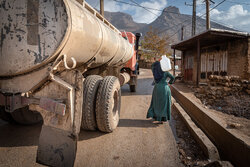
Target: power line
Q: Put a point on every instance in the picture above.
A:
(172, 35)
(132, 4)
(96, 4)
(198, 16)
(148, 9)
(214, 7)
(239, 3)
(144, 7)
(224, 24)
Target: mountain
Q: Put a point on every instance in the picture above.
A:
(123, 21)
(167, 23)
(171, 20)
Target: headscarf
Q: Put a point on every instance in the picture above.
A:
(157, 71)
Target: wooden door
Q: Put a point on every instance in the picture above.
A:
(188, 72)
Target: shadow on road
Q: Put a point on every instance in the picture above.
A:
(19, 135)
(140, 123)
(144, 87)
(85, 135)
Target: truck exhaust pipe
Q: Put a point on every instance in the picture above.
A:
(124, 78)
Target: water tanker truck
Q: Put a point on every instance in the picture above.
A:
(63, 63)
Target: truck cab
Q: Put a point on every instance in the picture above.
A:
(132, 66)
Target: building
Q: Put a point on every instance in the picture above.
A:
(176, 62)
(215, 52)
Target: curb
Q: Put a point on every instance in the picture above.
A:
(230, 146)
(206, 145)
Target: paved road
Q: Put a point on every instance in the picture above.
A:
(136, 142)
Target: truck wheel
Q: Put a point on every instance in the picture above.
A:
(90, 87)
(6, 116)
(108, 104)
(132, 88)
(26, 117)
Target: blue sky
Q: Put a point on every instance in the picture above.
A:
(232, 13)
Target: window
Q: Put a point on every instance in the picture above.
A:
(213, 63)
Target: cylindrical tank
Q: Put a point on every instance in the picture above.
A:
(35, 32)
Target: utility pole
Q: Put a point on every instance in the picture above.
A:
(174, 62)
(194, 18)
(182, 33)
(102, 7)
(207, 16)
(207, 13)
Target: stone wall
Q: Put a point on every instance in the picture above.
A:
(234, 83)
(221, 86)
(228, 94)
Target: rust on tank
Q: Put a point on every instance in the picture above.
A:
(44, 21)
(36, 32)
(7, 28)
(9, 18)
(21, 31)
(32, 22)
(19, 37)
(3, 36)
(55, 9)
(3, 5)
(38, 55)
(21, 15)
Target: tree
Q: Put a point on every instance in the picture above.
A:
(154, 45)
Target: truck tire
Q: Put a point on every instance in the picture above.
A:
(26, 117)
(132, 88)
(6, 116)
(108, 104)
(90, 87)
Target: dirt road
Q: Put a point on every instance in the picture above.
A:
(136, 142)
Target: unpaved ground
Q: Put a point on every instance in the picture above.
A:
(223, 99)
(237, 105)
(136, 142)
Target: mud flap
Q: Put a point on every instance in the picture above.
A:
(61, 123)
(56, 147)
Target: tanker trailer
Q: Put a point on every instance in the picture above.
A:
(59, 62)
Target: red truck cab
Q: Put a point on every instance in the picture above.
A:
(132, 67)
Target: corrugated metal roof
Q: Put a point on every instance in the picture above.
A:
(211, 36)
